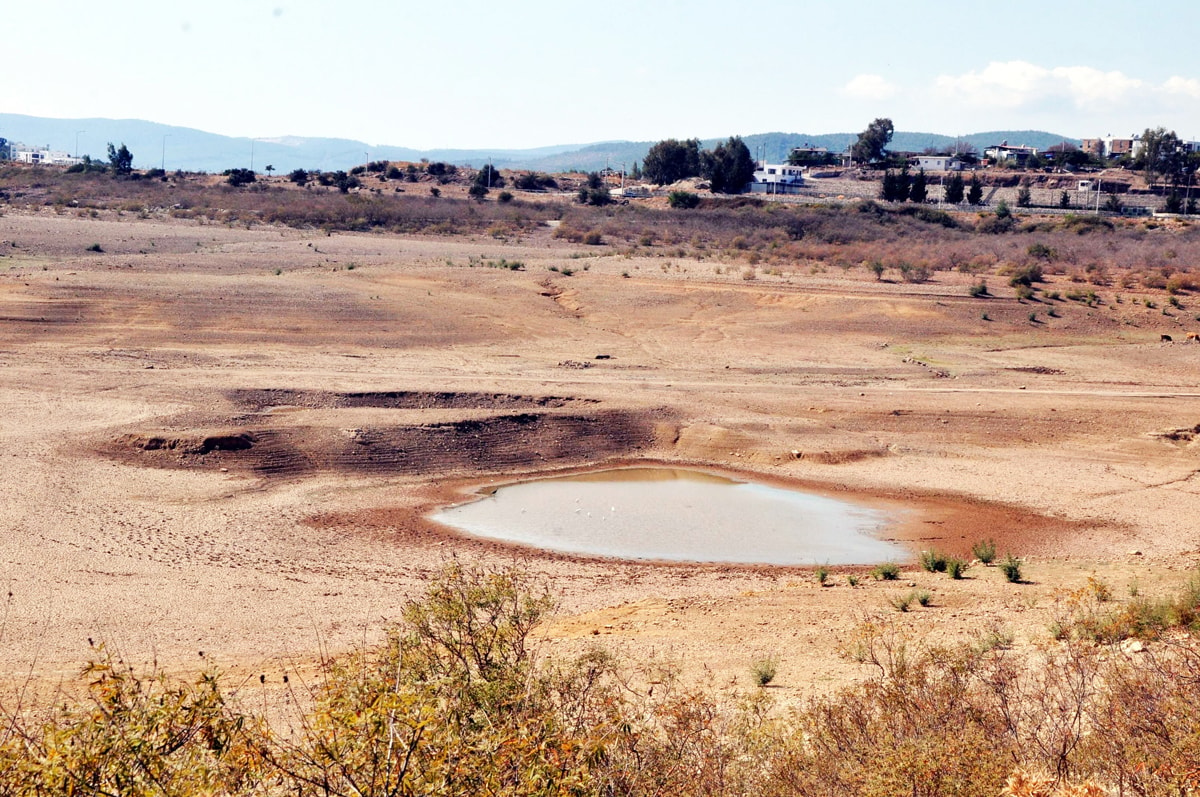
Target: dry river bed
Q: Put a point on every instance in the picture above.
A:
(224, 440)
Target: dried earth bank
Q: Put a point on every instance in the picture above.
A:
(221, 440)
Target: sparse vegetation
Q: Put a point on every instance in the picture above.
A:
(763, 671)
(888, 571)
(456, 695)
(951, 716)
(1010, 566)
(984, 551)
(933, 561)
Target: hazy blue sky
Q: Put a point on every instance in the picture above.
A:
(525, 73)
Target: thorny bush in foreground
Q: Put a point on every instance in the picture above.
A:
(455, 702)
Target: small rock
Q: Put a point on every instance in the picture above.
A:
(1135, 553)
(1133, 646)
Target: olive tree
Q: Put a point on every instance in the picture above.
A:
(871, 146)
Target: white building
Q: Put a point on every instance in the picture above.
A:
(1004, 153)
(45, 156)
(938, 163)
(777, 178)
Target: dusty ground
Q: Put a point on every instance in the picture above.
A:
(223, 439)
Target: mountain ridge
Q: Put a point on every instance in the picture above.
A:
(174, 147)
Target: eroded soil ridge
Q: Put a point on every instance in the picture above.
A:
(270, 448)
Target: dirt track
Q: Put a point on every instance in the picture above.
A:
(218, 438)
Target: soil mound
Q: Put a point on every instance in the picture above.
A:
(486, 444)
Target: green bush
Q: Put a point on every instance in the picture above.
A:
(888, 571)
(955, 568)
(984, 551)
(684, 200)
(534, 181)
(933, 561)
(1011, 568)
(594, 196)
(1040, 251)
(1025, 275)
(240, 177)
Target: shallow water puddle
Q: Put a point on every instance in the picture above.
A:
(677, 515)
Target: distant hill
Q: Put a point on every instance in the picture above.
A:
(185, 148)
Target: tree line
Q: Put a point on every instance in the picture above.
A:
(728, 167)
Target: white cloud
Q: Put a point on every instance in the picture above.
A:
(1188, 87)
(869, 87)
(1017, 84)
(1089, 87)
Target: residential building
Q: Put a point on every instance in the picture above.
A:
(777, 178)
(41, 155)
(937, 163)
(812, 156)
(1120, 147)
(1004, 153)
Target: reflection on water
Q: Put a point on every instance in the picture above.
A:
(677, 515)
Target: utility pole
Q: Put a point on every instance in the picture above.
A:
(163, 164)
(77, 133)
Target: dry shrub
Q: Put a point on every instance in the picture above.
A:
(917, 726)
(455, 702)
(568, 233)
(1180, 283)
(1145, 735)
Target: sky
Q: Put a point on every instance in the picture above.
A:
(497, 74)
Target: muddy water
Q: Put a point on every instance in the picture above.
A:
(678, 515)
